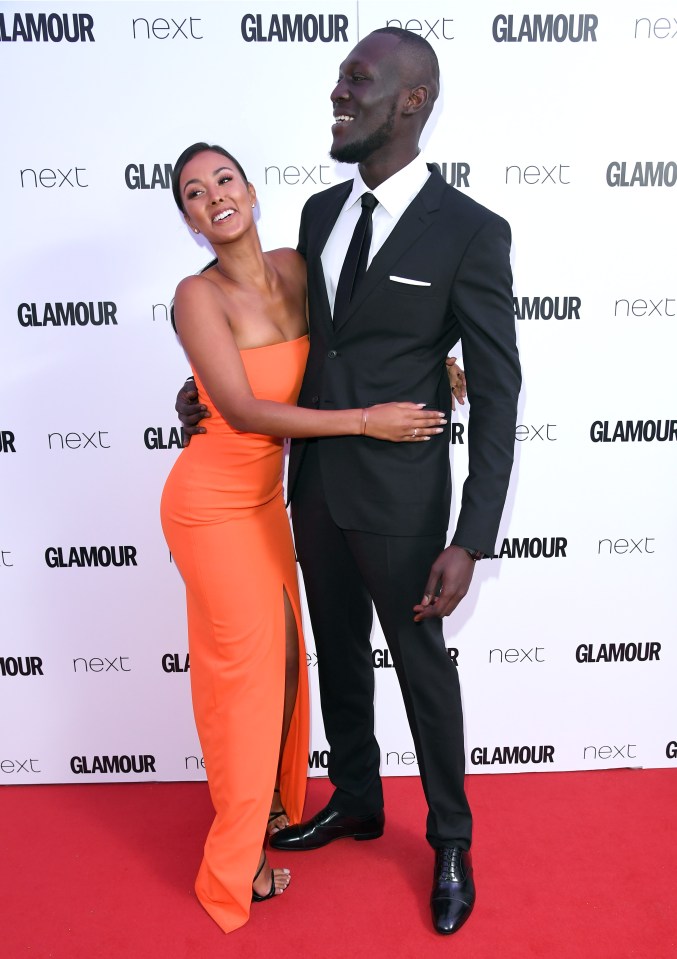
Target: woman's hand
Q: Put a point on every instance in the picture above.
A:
(456, 382)
(402, 422)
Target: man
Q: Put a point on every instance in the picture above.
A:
(370, 518)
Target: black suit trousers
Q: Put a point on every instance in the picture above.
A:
(344, 571)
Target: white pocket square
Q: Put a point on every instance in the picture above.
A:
(404, 279)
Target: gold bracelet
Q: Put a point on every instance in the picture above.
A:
(364, 422)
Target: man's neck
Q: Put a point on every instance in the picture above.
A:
(379, 168)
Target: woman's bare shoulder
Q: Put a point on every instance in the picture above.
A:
(197, 298)
(287, 258)
(197, 282)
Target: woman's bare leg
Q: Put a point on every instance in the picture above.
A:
(279, 821)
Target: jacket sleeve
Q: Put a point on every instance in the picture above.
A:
(302, 246)
(482, 304)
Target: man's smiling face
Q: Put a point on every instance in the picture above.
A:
(366, 99)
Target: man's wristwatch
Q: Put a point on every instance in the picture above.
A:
(474, 554)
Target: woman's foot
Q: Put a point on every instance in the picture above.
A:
(277, 818)
(269, 882)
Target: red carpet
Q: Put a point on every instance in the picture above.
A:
(567, 865)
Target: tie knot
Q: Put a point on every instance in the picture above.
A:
(369, 201)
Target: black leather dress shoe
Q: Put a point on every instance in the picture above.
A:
(326, 826)
(453, 894)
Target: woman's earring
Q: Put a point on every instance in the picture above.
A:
(195, 230)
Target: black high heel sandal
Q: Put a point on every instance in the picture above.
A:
(271, 891)
(272, 816)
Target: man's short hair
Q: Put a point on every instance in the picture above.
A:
(420, 57)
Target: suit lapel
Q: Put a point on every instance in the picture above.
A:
(415, 220)
(322, 226)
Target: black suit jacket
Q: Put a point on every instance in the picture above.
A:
(392, 345)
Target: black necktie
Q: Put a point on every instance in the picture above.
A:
(355, 264)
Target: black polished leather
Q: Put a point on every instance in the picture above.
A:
(326, 826)
(453, 894)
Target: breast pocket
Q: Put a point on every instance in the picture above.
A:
(413, 312)
(410, 286)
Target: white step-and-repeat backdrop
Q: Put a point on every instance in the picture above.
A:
(560, 118)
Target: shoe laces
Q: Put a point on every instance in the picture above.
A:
(450, 864)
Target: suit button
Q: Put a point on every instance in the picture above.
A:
(314, 399)
(332, 354)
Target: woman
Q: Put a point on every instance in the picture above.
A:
(242, 323)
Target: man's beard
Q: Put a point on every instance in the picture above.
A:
(361, 150)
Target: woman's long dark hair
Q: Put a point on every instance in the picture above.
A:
(185, 157)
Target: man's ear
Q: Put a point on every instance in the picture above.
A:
(417, 99)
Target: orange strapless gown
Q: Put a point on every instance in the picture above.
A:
(224, 519)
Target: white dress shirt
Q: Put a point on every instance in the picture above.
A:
(394, 196)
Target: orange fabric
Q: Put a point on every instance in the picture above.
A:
(224, 519)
